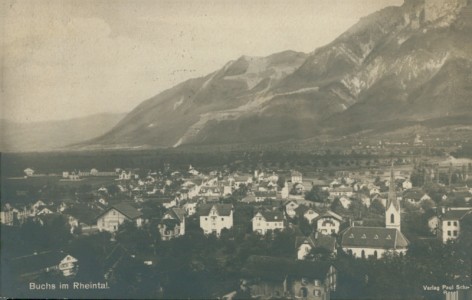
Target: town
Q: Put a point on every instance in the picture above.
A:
(389, 227)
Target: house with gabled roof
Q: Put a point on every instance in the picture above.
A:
(290, 208)
(28, 172)
(82, 216)
(328, 223)
(264, 221)
(215, 217)
(306, 212)
(415, 196)
(172, 224)
(305, 244)
(114, 216)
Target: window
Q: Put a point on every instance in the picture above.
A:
(375, 253)
(363, 254)
(317, 293)
(222, 219)
(206, 219)
(455, 223)
(448, 233)
(303, 292)
(392, 218)
(333, 231)
(455, 233)
(449, 223)
(317, 283)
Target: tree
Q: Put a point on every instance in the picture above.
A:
(305, 227)
(377, 208)
(281, 181)
(316, 194)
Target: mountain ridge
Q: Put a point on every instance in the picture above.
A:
(400, 63)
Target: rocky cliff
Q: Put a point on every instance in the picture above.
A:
(408, 63)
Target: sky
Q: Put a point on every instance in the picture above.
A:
(72, 58)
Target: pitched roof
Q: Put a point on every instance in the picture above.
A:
(83, 213)
(330, 214)
(127, 210)
(456, 214)
(373, 237)
(317, 241)
(414, 194)
(177, 213)
(325, 241)
(278, 268)
(222, 209)
(272, 216)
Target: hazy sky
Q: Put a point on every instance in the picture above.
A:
(65, 59)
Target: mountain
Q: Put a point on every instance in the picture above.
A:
(53, 135)
(398, 66)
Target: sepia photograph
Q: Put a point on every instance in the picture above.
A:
(236, 149)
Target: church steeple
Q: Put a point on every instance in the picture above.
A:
(392, 212)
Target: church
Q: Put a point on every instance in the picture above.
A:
(364, 242)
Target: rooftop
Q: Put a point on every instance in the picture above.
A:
(373, 237)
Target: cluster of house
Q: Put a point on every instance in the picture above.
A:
(197, 196)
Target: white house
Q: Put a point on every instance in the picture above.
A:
(345, 202)
(433, 224)
(265, 221)
(124, 175)
(68, 266)
(284, 191)
(29, 172)
(296, 177)
(310, 215)
(328, 223)
(190, 208)
(113, 217)
(216, 217)
(172, 224)
(290, 209)
(406, 185)
(304, 245)
(450, 224)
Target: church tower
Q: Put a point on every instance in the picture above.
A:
(392, 212)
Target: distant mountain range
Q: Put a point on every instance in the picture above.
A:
(53, 135)
(397, 67)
